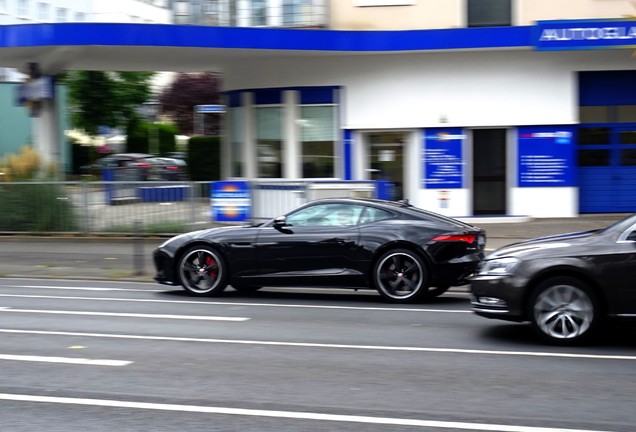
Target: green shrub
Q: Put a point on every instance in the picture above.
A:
(35, 207)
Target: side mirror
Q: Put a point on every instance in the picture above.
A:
(280, 221)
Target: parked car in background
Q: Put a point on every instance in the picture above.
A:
(167, 169)
(407, 254)
(567, 286)
(139, 167)
(177, 155)
(136, 166)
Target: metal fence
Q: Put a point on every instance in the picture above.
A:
(146, 208)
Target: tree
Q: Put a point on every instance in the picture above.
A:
(106, 98)
(178, 100)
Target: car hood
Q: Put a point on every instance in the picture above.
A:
(554, 245)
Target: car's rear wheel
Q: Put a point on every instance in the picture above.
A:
(564, 310)
(400, 276)
(202, 271)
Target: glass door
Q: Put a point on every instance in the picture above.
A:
(386, 150)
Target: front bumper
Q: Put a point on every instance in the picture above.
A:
(500, 297)
(164, 266)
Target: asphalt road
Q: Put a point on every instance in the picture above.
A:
(127, 356)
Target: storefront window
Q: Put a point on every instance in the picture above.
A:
(236, 141)
(318, 137)
(269, 141)
(594, 136)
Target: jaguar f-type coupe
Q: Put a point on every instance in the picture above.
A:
(405, 253)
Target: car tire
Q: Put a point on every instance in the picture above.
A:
(436, 291)
(563, 310)
(400, 276)
(246, 289)
(202, 271)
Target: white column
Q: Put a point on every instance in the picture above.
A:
(291, 151)
(46, 137)
(249, 149)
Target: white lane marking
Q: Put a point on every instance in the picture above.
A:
(323, 345)
(68, 360)
(128, 315)
(219, 303)
(79, 288)
(298, 415)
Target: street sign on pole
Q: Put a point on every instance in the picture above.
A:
(210, 109)
(199, 111)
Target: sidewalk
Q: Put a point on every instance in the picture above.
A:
(130, 259)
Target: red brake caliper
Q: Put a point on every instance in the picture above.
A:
(213, 272)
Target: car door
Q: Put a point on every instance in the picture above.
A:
(316, 241)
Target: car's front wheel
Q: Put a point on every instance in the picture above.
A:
(564, 310)
(400, 276)
(202, 271)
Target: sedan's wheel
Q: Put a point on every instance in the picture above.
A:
(564, 310)
(202, 271)
(400, 276)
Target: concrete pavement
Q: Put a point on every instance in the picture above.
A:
(130, 259)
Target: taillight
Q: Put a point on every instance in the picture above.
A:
(143, 165)
(467, 238)
(172, 168)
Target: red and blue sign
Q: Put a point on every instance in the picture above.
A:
(231, 201)
(443, 160)
(546, 156)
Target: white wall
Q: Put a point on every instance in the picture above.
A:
(404, 91)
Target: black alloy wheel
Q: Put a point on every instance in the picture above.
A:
(400, 276)
(202, 271)
(564, 310)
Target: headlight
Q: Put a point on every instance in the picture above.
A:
(499, 266)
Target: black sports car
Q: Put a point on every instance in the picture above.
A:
(404, 252)
(565, 285)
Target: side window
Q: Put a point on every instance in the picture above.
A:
(336, 215)
(631, 236)
(372, 214)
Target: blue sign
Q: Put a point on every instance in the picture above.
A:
(443, 163)
(231, 201)
(585, 34)
(210, 109)
(546, 156)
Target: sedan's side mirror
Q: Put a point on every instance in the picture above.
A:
(280, 221)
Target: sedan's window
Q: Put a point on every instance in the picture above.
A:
(326, 215)
(372, 214)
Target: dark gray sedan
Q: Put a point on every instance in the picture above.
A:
(566, 286)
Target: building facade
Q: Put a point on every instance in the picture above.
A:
(545, 129)
(468, 107)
